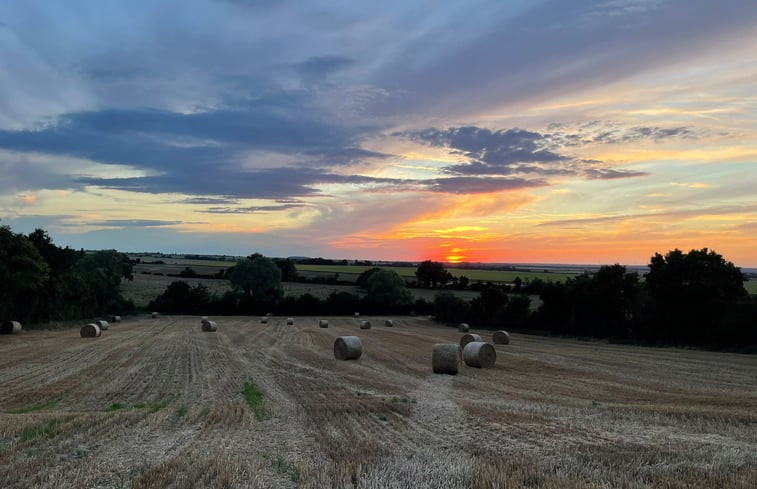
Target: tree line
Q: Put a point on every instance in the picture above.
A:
(42, 282)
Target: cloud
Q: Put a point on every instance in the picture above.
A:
(474, 185)
(320, 66)
(508, 152)
(252, 209)
(132, 223)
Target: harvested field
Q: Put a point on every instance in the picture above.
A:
(166, 409)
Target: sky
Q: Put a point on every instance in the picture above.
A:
(539, 131)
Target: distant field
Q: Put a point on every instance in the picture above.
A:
(145, 288)
(346, 272)
(751, 286)
(156, 403)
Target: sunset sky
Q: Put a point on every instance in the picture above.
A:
(496, 131)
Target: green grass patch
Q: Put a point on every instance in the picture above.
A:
(181, 411)
(157, 406)
(139, 405)
(39, 431)
(36, 407)
(254, 397)
(116, 406)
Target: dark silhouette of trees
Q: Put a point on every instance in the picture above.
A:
(362, 279)
(432, 274)
(288, 269)
(690, 294)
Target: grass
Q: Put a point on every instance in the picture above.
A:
(39, 431)
(284, 466)
(35, 408)
(254, 397)
(116, 406)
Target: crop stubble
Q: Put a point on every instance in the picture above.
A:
(155, 403)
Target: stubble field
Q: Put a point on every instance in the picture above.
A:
(158, 403)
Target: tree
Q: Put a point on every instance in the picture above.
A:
(96, 280)
(258, 277)
(431, 274)
(387, 287)
(690, 293)
(362, 279)
(288, 269)
(23, 272)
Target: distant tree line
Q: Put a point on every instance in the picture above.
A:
(41, 282)
(694, 298)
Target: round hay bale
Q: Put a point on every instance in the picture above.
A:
(90, 330)
(467, 338)
(204, 318)
(463, 327)
(365, 325)
(389, 323)
(103, 324)
(413, 313)
(348, 348)
(357, 314)
(10, 327)
(264, 320)
(269, 314)
(479, 354)
(323, 323)
(115, 319)
(154, 315)
(290, 321)
(445, 358)
(501, 337)
(209, 326)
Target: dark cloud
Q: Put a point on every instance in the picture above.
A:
(210, 200)
(319, 66)
(611, 174)
(133, 223)
(500, 149)
(519, 152)
(474, 185)
(253, 209)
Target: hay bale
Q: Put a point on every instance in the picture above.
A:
(154, 315)
(264, 320)
(204, 318)
(463, 327)
(467, 338)
(103, 324)
(290, 321)
(10, 327)
(365, 325)
(269, 314)
(357, 314)
(389, 323)
(115, 319)
(90, 330)
(445, 358)
(348, 348)
(209, 326)
(501, 337)
(323, 323)
(479, 354)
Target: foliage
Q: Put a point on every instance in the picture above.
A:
(179, 297)
(362, 279)
(288, 269)
(432, 274)
(40, 281)
(258, 277)
(385, 287)
(690, 295)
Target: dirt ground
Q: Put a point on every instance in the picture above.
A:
(158, 403)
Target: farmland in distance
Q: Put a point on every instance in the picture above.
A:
(158, 403)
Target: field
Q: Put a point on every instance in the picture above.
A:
(350, 272)
(157, 403)
(145, 288)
